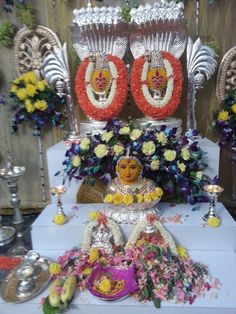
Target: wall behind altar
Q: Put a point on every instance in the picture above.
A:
(216, 21)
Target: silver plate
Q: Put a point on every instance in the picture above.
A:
(26, 281)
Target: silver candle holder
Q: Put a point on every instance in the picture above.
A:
(59, 191)
(11, 175)
(213, 191)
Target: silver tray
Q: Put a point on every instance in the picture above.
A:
(26, 280)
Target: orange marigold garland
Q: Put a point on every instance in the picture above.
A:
(115, 102)
(148, 106)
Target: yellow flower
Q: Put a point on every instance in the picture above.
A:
(135, 134)
(185, 153)
(199, 175)
(139, 198)
(147, 198)
(41, 85)
(105, 285)
(22, 93)
(117, 199)
(59, 219)
(181, 166)
(93, 255)
(118, 149)
(183, 254)
(100, 150)
(161, 137)
(31, 89)
(14, 89)
(76, 161)
(148, 148)
(223, 115)
(234, 108)
(40, 105)
(159, 191)
(108, 198)
(103, 260)
(125, 130)
(54, 268)
(28, 105)
(154, 195)
(87, 271)
(29, 77)
(169, 155)
(213, 222)
(128, 199)
(93, 215)
(140, 242)
(106, 136)
(17, 80)
(84, 144)
(155, 164)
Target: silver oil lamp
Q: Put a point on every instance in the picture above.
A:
(213, 191)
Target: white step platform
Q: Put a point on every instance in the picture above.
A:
(56, 156)
(190, 231)
(221, 265)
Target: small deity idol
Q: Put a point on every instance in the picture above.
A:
(130, 196)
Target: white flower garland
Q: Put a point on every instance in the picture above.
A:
(113, 226)
(89, 89)
(140, 227)
(169, 90)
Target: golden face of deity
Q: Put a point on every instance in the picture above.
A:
(157, 78)
(101, 80)
(128, 171)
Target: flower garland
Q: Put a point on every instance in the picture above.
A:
(128, 199)
(141, 226)
(33, 100)
(225, 121)
(97, 216)
(157, 109)
(117, 95)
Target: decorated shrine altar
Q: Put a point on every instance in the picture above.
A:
(213, 247)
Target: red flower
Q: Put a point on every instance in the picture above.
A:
(112, 110)
(136, 88)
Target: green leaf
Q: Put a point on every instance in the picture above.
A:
(156, 301)
(48, 309)
(145, 292)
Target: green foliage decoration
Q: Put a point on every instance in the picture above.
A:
(26, 14)
(7, 32)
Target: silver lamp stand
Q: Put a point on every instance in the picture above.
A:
(213, 191)
(11, 175)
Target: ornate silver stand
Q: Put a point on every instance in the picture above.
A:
(213, 191)
(58, 191)
(11, 175)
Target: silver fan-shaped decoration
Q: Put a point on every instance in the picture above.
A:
(201, 65)
(56, 71)
(159, 27)
(99, 30)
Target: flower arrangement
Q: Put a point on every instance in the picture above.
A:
(128, 199)
(225, 121)
(33, 100)
(157, 109)
(117, 93)
(160, 274)
(175, 164)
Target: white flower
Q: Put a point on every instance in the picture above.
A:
(125, 130)
(185, 153)
(101, 150)
(148, 148)
(135, 134)
(118, 149)
(161, 137)
(106, 136)
(155, 164)
(84, 144)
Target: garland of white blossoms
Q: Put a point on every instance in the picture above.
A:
(169, 89)
(141, 226)
(89, 89)
(114, 228)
